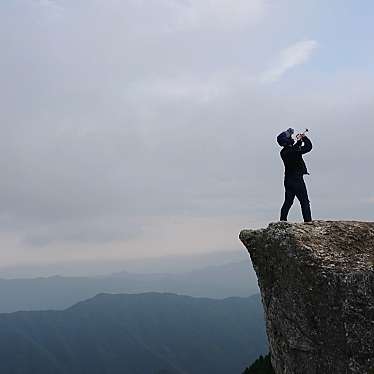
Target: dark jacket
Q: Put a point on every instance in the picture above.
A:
(292, 157)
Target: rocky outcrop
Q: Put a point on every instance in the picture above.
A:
(317, 287)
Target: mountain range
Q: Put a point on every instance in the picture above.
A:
(232, 279)
(149, 333)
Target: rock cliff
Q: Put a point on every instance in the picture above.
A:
(317, 288)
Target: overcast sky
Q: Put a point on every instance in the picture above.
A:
(135, 128)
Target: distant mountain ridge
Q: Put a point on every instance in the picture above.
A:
(171, 264)
(135, 334)
(233, 279)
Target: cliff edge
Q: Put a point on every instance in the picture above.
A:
(317, 288)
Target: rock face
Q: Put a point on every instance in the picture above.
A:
(317, 287)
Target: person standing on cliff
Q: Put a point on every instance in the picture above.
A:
(295, 169)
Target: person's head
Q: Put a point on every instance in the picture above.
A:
(285, 139)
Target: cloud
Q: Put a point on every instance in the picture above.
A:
(290, 57)
(226, 14)
(110, 121)
(203, 88)
(91, 231)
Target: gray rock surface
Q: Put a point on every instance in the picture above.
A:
(317, 287)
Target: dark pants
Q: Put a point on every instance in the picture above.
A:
(295, 186)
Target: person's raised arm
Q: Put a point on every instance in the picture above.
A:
(307, 146)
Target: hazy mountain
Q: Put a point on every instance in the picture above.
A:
(165, 264)
(135, 334)
(234, 279)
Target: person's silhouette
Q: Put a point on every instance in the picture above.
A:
(295, 168)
